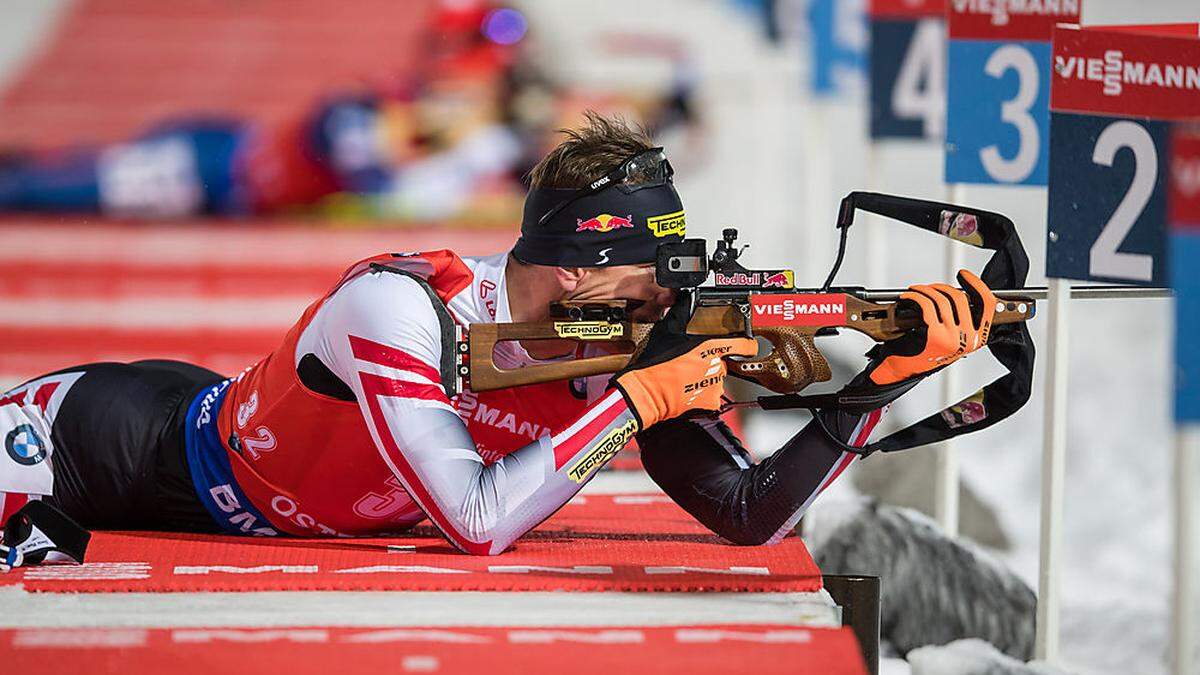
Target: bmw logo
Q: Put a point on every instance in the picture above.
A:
(24, 445)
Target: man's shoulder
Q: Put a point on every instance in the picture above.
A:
(446, 271)
(382, 289)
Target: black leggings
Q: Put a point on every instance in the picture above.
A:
(119, 459)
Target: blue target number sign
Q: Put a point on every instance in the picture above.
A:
(1111, 115)
(998, 91)
(998, 112)
(1184, 215)
(907, 69)
(1185, 259)
(1107, 203)
(839, 45)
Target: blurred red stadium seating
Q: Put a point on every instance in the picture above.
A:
(221, 295)
(113, 67)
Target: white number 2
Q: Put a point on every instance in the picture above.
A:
(1015, 112)
(920, 91)
(1105, 259)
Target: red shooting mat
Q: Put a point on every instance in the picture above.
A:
(762, 649)
(595, 543)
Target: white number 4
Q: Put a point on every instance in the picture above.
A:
(920, 91)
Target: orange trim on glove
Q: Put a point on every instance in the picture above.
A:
(952, 331)
(691, 381)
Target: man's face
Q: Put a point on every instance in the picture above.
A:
(626, 282)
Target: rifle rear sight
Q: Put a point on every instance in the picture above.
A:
(686, 264)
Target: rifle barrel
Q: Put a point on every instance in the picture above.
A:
(1040, 292)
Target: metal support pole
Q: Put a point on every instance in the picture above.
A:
(877, 234)
(1183, 602)
(859, 598)
(1042, 293)
(817, 241)
(945, 487)
(1054, 457)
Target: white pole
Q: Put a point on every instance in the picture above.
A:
(1054, 455)
(946, 480)
(1183, 602)
(876, 233)
(817, 235)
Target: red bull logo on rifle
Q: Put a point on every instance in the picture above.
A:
(768, 279)
(603, 223)
(778, 280)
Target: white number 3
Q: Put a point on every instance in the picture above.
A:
(1015, 112)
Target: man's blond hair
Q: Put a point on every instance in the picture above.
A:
(589, 152)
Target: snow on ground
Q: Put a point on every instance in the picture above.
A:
(972, 657)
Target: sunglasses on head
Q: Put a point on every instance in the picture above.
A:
(648, 168)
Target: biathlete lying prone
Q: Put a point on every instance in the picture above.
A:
(346, 429)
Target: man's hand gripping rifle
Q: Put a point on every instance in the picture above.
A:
(741, 302)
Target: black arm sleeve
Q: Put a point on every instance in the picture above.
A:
(703, 467)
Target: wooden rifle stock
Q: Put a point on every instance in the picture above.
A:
(793, 363)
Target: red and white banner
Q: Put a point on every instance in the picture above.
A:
(217, 295)
(905, 9)
(1008, 19)
(1133, 71)
(1183, 200)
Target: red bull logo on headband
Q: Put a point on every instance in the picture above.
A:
(603, 223)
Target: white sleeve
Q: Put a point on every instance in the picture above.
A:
(381, 335)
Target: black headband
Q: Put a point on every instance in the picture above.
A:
(616, 226)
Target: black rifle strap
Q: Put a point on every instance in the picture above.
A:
(1010, 344)
(445, 323)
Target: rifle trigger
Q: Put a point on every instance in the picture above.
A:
(744, 308)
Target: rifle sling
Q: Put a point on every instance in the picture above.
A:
(1010, 344)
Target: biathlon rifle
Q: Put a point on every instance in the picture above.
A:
(759, 304)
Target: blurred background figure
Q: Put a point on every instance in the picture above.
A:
(442, 135)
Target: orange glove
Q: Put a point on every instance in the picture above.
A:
(692, 380)
(676, 372)
(957, 322)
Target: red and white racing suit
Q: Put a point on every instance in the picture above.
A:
(485, 468)
(348, 427)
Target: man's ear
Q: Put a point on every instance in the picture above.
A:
(569, 278)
